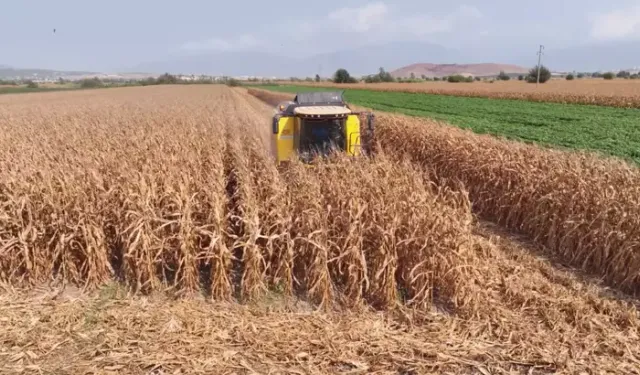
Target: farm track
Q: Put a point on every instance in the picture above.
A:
(172, 191)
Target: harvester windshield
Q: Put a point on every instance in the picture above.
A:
(320, 98)
(321, 136)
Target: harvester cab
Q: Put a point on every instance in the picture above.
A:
(318, 123)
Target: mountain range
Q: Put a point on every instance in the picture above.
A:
(10, 72)
(390, 56)
(442, 70)
(368, 59)
(359, 61)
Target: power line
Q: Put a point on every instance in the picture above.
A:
(540, 53)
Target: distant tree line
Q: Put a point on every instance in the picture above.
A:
(8, 82)
(165, 79)
(343, 76)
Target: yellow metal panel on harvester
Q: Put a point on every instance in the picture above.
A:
(284, 138)
(352, 130)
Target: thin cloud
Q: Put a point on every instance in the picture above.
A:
(239, 43)
(617, 24)
(376, 22)
(361, 19)
(379, 20)
(425, 24)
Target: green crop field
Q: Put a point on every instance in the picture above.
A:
(26, 90)
(612, 131)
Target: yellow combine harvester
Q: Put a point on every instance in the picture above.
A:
(317, 123)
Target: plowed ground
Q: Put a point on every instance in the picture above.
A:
(184, 250)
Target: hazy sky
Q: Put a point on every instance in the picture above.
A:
(117, 34)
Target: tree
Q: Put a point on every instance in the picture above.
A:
(608, 76)
(545, 74)
(580, 75)
(148, 81)
(503, 76)
(167, 79)
(91, 83)
(232, 82)
(372, 78)
(343, 76)
(623, 74)
(413, 75)
(385, 76)
(317, 77)
(31, 84)
(457, 78)
(569, 77)
(520, 77)
(382, 76)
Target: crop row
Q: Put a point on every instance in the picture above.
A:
(186, 197)
(583, 208)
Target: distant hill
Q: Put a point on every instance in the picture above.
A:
(358, 61)
(13, 73)
(10, 73)
(368, 59)
(443, 70)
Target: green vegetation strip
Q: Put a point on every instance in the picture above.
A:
(612, 131)
(25, 90)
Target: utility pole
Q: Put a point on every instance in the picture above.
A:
(540, 53)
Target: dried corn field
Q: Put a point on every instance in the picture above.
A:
(622, 93)
(184, 250)
(583, 208)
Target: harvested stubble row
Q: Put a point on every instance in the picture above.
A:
(584, 208)
(161, 199)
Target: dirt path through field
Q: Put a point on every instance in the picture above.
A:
(253, 109)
